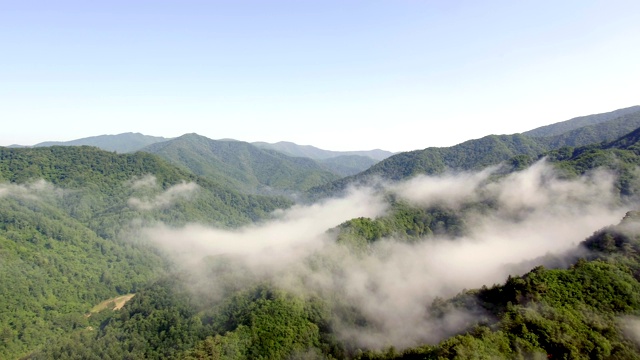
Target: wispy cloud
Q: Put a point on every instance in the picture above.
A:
(162, 200)
(532, 213)
(32, 190)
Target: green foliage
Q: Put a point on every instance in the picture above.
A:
(403, 223)
(470, 155)
(593, 134)
(565, 127)
(559, 314)
(241, 165)
(65, 244)
(61, 253)
(100, 185)
(158, 323)
(518, 149)
(55, 269)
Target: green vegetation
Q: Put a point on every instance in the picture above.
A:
(312, 152)
(577, 313)
(404, 223)
(54, 270)
(65, 220)
(579, 122)
(603, 132)
(494, 149)
(69, 251)
(241, 165)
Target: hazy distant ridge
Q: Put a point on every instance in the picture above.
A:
(121, 143)
(579, 122)
(313, 152)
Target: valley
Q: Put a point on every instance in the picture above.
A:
(519, 246)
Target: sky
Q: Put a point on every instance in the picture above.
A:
(397, 75)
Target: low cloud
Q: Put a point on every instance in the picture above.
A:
(163, 200)
(147, 181)
(32, 190)
(630, 326)
(292, 236)
(449, 190)
(528, 214)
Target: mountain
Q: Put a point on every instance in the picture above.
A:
(579, 122)
(312, 152)
(347, 165)
(603, 132)
(70, 244)
(121, 143)
(630, 141)
(469, 155)
(585, 311)
(241, 165)
(68, 219)
(493, 149)
(584, 307)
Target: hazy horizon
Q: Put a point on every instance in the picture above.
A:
(352, 75)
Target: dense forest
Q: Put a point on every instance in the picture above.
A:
(502, 247)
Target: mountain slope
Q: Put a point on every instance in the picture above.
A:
(121, 143)
(241, 165)
(315, 153)
(469, 155)
(103, 184)
(493, 149)
(603, 132)
(586, 311)
(68, 219)
(347, 165)
(578, 122)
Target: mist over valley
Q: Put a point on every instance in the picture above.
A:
(492, 248)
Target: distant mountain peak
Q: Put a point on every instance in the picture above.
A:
(121, 143)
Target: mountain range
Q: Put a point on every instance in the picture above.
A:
(493, 149)
(215, 249)
(241, 165)
(121, 143)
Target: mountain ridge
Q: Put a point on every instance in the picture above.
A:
(310, 151)
(241, 164)
(489, 150)
(121, 143)
(578, 122)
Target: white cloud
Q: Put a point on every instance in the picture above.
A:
(393, 284)
(163, 200)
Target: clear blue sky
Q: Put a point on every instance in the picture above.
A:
(340, 75)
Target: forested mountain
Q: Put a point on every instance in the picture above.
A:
(347, 165)
(579, 122)
(121, 143)
(213, 273)
(493, 149)
(579, 306)
(602, 132)
(241, 165)
(588, 311)
(315, 153)
(621, 157)
(66, 216)
(106, 182)
(469, 155)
